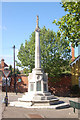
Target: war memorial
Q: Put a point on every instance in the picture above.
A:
(37, 94)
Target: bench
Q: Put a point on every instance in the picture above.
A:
(75, 105)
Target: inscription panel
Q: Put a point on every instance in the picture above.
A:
(39, 86)
(45, 87)
(31, 86)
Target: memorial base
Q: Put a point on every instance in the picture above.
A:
(44, 99)
(37, 94)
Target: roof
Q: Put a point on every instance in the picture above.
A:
(5, 65)
(75, 60)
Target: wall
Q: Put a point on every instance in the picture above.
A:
(61, 87)
(21, 86)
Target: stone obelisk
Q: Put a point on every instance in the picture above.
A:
(36, 83)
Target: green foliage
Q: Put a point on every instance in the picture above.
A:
(69, 24)
(26, 71)
(17, 71)
(12, 70)
(55, 53)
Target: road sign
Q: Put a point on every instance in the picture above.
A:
(6, 73)
(4, 81)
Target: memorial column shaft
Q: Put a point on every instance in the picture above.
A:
(37, 50)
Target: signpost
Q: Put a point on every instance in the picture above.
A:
(6, 74)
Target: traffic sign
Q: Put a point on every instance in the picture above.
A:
(6, 73)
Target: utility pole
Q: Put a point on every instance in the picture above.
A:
(14, 69)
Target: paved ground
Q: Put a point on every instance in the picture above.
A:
(16, 112)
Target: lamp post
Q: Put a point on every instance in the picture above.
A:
(14, 70)
(6, 73)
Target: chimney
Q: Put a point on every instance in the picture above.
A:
(72, 51)
(2, 64)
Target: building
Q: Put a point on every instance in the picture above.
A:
(75, 71)
(75, 68)
(2, 66)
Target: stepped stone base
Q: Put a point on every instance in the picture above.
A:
(28, 105)
(44, 99)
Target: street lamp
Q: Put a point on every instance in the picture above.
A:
(6, 73)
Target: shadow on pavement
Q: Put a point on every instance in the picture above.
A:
(59, 102)
(63, 107)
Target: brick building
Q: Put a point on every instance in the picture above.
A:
(2, 66)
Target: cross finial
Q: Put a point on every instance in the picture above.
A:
(37, 25)
(37, 21)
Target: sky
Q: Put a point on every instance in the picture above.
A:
(19, 21)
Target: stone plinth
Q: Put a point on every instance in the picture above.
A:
(38, 89)
(38, 81)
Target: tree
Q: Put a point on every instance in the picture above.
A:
(12, 70)
(69, 25)
(17, 71)
(55, 53)
(26, 71)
